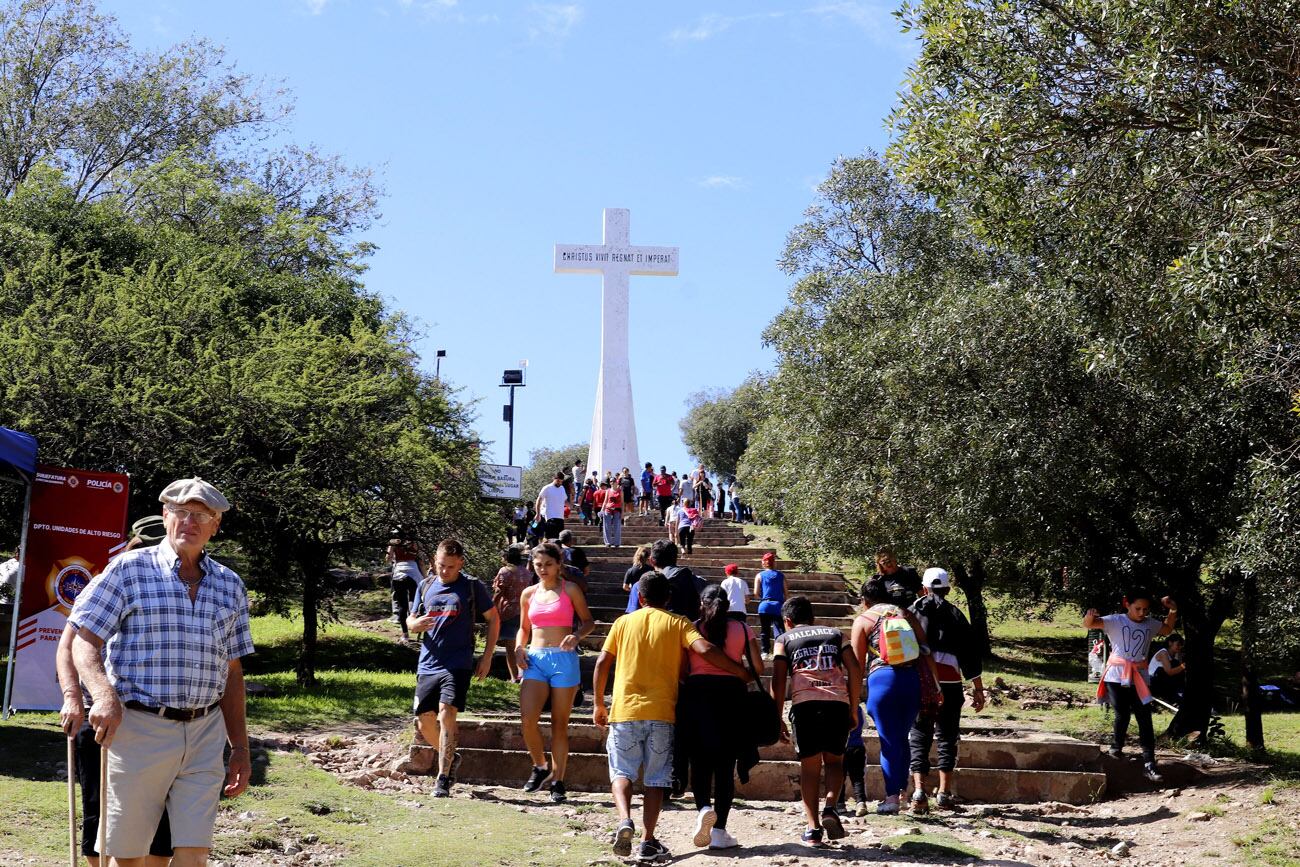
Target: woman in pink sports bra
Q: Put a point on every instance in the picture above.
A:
(547, 652)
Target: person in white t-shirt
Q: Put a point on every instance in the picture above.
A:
(737, 591)
(1167, 671)
(550, 506)
(1124, 683)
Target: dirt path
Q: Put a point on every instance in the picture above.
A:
(1167, 829)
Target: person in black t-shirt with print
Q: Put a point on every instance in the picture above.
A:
(824, 686)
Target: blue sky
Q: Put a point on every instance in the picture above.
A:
(499, 129)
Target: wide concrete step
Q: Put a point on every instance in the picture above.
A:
(1026, 750)
(823, 611)
(596, 639)
(778, 780)
(613, 594)
(721, 554)
(615, 567)
(798, 586)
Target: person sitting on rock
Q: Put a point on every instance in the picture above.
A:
(1168, 671)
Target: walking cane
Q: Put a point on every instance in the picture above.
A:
(72, 806)
(103, 806)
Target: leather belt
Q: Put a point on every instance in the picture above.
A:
(173, 713)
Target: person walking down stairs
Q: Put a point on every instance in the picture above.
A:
(547, 653)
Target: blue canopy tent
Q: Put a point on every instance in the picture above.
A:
(17, 465)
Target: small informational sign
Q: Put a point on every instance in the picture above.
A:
(77, 524)
(501, 482)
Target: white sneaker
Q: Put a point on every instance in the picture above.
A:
(704, 823)
(720, 839)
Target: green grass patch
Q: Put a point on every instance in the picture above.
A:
(362, 677)
(355, 696)
(1273, 843)
(929, 844)
(375, 830)
(35, 799)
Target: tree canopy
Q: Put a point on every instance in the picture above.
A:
(199, 310)
(718, 424)
(544, 463)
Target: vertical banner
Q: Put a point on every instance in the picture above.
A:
(77, 522)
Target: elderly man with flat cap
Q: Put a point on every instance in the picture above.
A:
(172, 693)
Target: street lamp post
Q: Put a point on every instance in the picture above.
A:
(437, 365)
(511, 379)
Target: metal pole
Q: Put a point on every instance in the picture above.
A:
(72, 802)
(510, 450)
(18, 601)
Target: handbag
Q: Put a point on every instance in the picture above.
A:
(762, 720)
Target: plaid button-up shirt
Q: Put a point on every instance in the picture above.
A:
(164, 649)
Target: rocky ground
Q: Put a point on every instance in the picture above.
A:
(1234, 816)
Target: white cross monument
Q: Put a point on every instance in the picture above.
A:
(613, 424)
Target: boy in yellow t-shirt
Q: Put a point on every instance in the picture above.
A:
(649, 645)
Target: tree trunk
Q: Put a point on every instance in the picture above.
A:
(972, 581)
(310, 622)
(1201, 625)
(1250, 704)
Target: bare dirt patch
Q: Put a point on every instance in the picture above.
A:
(1232, 818)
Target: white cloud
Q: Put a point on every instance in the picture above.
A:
(873, 17)
(553, 20)
(316, 7)
(710, 26)
(722, 182)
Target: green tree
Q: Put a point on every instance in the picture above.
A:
(1142, 154)
(75, 96)
(718, 424)
(544, 463)
(941, 393)
(327, 438)
(175, 302)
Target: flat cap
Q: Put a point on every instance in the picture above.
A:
(189, 490)
(149, 528)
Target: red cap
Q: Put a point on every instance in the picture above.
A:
(769, 556)
(730, 569)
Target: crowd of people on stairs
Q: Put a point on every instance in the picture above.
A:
(688, 708)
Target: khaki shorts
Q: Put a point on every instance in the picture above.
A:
(156, 764)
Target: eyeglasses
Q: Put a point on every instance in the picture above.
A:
(200, 518)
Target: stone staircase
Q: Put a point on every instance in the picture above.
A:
(998, 764)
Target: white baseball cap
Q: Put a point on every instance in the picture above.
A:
(936, 579)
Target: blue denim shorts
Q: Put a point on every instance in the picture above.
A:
(641, 747)
(553, 666)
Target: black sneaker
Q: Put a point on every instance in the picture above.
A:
(442, 787)
(653, 850)
(832, 824)
(1115, 752)
(558, 795)
(536, 778)
(1149, 771)
(623, 835)
(812, 836)
(920, 803)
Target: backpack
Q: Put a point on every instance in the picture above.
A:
(897, 642)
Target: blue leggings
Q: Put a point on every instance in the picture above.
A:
(893, 700)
